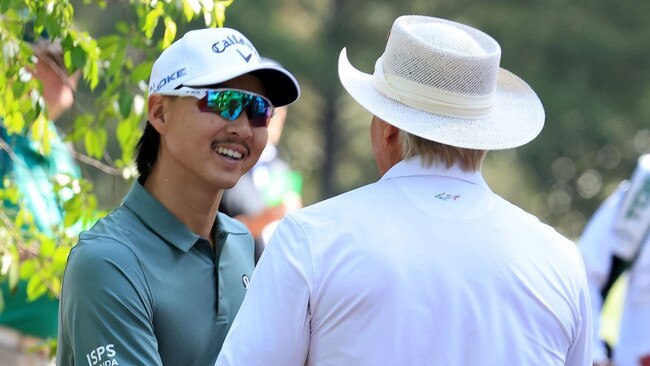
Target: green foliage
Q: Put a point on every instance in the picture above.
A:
(115, 67)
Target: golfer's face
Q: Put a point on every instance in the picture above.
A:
(207, 149)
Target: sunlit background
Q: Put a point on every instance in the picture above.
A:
(587, 60)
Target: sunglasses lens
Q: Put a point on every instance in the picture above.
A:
(260, 112)
(229, 104)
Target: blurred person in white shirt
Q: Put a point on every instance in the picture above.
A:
(614, 241)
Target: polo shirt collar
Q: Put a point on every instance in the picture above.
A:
(413, 167)
(158, 218)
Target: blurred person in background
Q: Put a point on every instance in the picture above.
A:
(427, 266)
(616, 240)
(268, 191)
(160, 279)
(31, 168)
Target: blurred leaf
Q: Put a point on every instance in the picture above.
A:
(73, 211)
(122, 27)
(151, 21)
(170, 32)
(26, 270)
(109, 45)
(55, 285)
(60, 258)
(95, 142)
(125, 103)
(47, 247)
(77, 57)
(14, 275)
(115, 70)
(35, 288)
(190, 8)
(219, 13)
(141, 72)
(41, 133)
(81, 125)
(14, 122)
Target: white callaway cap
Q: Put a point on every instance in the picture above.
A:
(214, 55)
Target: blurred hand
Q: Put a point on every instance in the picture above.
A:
(645, 360)
(272, 214)
(257, 223)
(292, 201)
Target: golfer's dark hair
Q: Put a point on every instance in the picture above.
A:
(147, 151)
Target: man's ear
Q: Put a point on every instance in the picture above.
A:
(390, 134)
(393, 143)
(156, 112)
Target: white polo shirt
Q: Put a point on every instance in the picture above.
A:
(597, 245)
(424, 267)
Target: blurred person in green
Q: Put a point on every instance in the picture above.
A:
(268, 191)
(31, 168)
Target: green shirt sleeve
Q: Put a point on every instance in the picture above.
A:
(106, 307)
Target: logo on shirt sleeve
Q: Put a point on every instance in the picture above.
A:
(246, 281)
(102, 356)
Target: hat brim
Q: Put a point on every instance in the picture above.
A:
(281, 87)
(517, 119)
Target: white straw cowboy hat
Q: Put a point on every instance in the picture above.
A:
(441, 80)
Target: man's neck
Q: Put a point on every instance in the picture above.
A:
(195, 207)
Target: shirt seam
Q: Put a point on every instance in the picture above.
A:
(311, 260)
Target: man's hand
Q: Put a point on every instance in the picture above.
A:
(257, 223)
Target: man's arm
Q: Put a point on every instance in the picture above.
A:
(581, 352)
(106, 310)
(272, 326)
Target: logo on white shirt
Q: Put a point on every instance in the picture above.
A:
(446, 196)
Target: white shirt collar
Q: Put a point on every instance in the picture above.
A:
(413, 167)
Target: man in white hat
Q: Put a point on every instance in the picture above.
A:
(160, 279)
(427, 266)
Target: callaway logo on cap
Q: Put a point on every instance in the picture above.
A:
(213, 55)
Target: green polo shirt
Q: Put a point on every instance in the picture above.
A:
(140, 288)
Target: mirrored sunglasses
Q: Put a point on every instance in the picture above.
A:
(230, 103)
